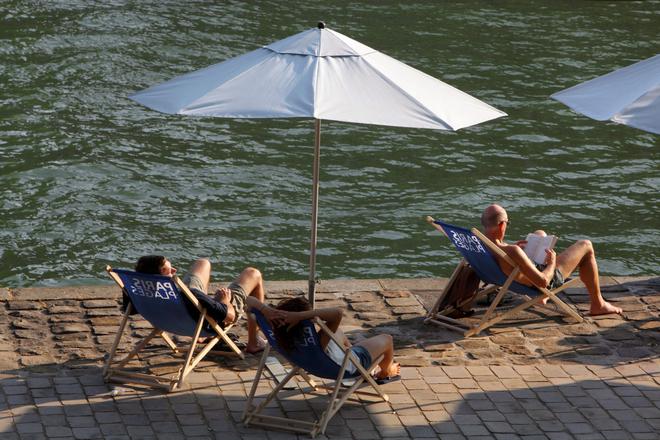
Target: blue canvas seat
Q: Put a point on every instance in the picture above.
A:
(479, 253)
(308, 358)
(171, 308)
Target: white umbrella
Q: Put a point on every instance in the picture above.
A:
(629, 96)
(319, 74)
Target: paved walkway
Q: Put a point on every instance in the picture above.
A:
(544, 379)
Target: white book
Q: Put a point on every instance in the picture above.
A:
(536, 246)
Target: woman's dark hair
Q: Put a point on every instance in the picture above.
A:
(150, 264)
(284, 335)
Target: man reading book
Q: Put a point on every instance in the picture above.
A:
(555, 268)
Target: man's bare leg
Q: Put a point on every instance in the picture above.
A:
(202, 269)
(581, 255)
(252, 282)
(382, 344)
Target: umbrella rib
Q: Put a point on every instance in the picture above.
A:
(191, 105)
(417, 101)
(316, 79)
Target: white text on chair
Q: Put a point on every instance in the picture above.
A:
(152, 289)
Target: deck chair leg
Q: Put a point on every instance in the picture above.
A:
(499, 318)
(115, 344)
(503, 290)
(308, 379)
(483, 292)
(568, 310)
(143, 343)
(332, 408)
(365, 375)
(255, 383)
(169, 342)
(256, 412)
(450, 323)
(446, 290)
(187, 365)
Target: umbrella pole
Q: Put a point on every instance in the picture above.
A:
(315, 209)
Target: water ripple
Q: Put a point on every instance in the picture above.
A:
(90, 178)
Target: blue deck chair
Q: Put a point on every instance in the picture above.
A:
(478, 252)
(170, 307)
(308, 357)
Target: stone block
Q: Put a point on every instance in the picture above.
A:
(76, 343)
(63, 310)
(141, 324)
(72, 336)
(104, 330)
(362, 297)
(99, 303)
(649, 325)
(69, 328)
(395, 293)
(408, 301)
(37, 333)
(28, 314)
(93, 313)
(373, 316)
(23, 305)
(25, 324)
(105, 320)
(57, 319)
(366, 306)
(87, 433)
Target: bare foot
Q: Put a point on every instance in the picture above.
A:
(393, 370)
(605, 309)
(257, 347)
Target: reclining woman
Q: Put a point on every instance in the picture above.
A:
(286, 316)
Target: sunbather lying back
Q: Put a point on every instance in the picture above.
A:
(556, 268)
(289, 312)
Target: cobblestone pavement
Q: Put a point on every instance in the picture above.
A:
(543, 378)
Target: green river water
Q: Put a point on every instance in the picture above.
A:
(89, 178)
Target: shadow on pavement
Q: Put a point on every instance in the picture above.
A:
(450, 402)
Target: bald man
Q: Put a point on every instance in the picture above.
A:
(579, 256)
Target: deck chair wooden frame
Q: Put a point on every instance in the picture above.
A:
(439, 316)
(337, 396)
(113, 369)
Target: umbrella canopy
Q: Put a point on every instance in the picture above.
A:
(629, 96)
(319, 74)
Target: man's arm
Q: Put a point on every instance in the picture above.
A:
(528, 271)
(273, 315)
(331, 316)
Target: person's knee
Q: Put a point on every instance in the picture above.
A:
(387, 341)
(586, 244)
(252, 273)
(540, 232)
(202, 263)
(251, 279)
(202, 269)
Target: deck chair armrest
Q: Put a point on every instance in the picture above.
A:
(430, 220)
(114, 277)
(329, 332)
(186, 291)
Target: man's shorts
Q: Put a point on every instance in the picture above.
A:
(362, 354)
(557, 279)
(215, 308)
(238, 298)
